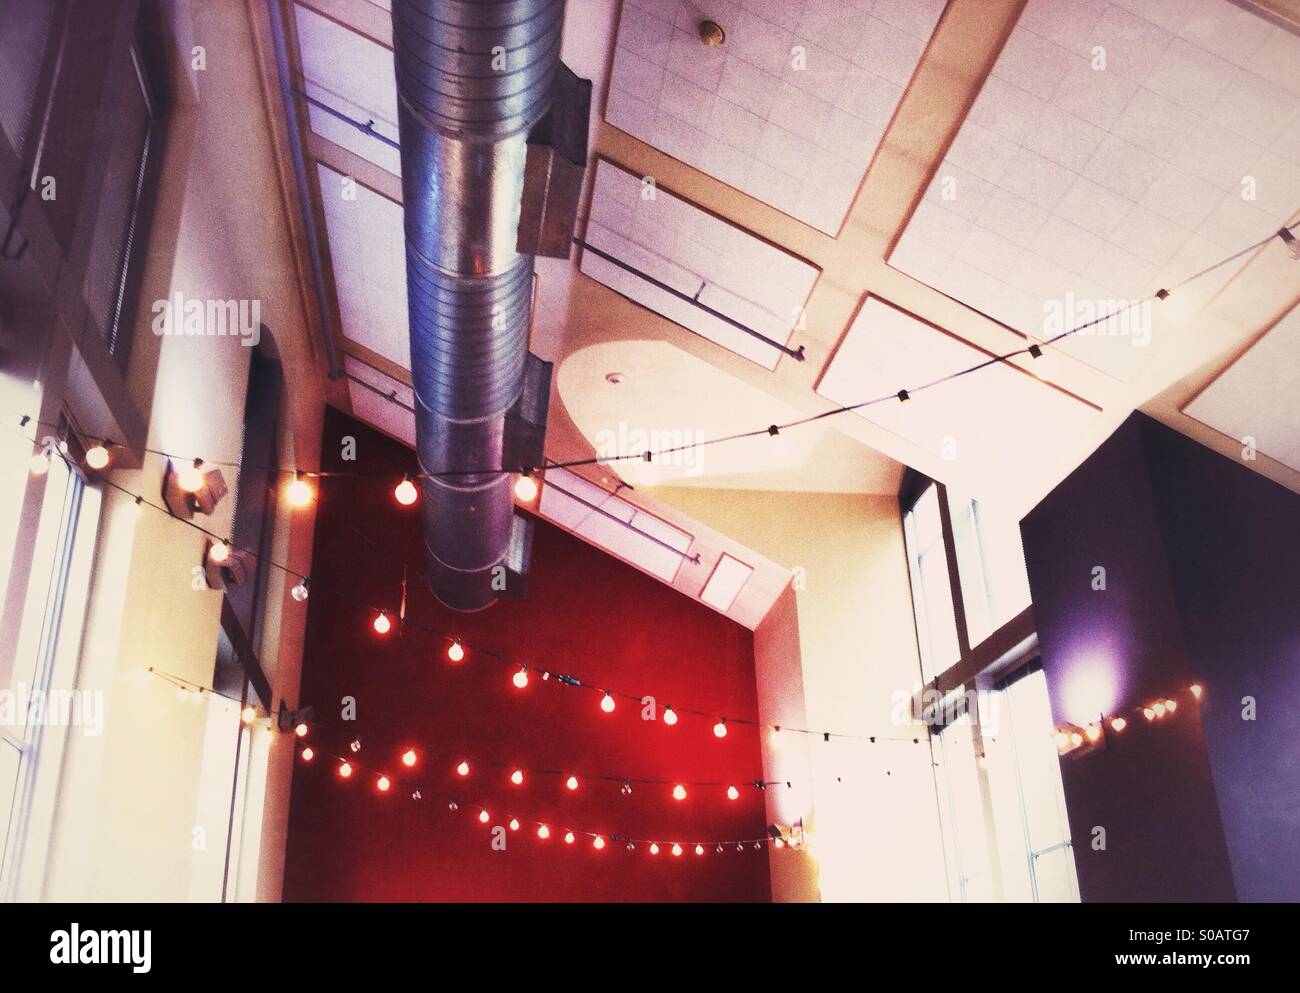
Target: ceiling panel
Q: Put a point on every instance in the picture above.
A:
(725, 583)
(354, 76)
(682, 246)
(368, 255)
(1255, 397)
(789, 109)
(372, 395)
(1116, 148)
(998, 423)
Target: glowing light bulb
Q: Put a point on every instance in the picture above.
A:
(408, 757)
(571, 782)
(355, 745)
(219, 552)
(720, 729)
(526, 489)
(1148, 713)
(1159, 708)
(1118, 724)
(607, 704)
(462, 769)
(654, 849)
(699, 849)
(308, 754)
(383, 784)
(568, 837)
(345, 770)
(517, 777)
(455, 652)
(299, 492)
(1062, 740)
(543, 832)
(677, 849)
(778, 843)
(1076, 739)
(97, 456)
(40, 463)
(1094, 732)
(300, 592)
(514, 824)
(679, 792)
(484, 816)
(382, 624)
(249, 715)
(598, 843)
(520, 678)
(405, 492)
(190, 477)
(1171, 705)
(670, 716)
(1196, 690)
(733, 793)
(301, 730)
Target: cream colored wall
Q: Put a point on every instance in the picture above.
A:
(132, 801)
(835, 653)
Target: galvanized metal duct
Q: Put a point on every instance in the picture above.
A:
(473, 78)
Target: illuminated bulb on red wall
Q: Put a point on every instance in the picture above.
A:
(1159, 708)
(607, 704)
(677, 849)
(670, 716)
(408, 757)
(1171, 705)
(1196, 690)
(462, 769)
(249, 715)
(301, 730)
(1093, 732)
(571, 782)
(543, 832)
(298, 493)
(1148, 713)
(517, 777)
(514, 824)
(484, 817)
(405, 492)
(97, 456)
(382, 624)
(778, 843)
(733, 793)
(568, 837)
(383, 784)
(345, 770)
(720, 729)
(526, 488)
(456, 652)
(598, 843)
(679, 792)
(654, 849)
(699, 849)
(1118, 724)
(308, 754)
(521, 677)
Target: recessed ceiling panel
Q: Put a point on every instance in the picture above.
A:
(1254, 399)
(368, 255)
(998, 423)
(678, 244)
(380, 400)
(789, 108)
(354, 76)
(1115, 149)
(724, 585)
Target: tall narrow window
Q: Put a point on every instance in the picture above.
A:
(932, 596)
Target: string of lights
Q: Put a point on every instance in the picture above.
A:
(1075, 739)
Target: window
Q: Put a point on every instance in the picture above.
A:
(936, 624)
(991, 564)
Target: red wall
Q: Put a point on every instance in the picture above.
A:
(587, 615)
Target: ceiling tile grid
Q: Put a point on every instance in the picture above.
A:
(706, 258)
(1106, 184)
(789, 109)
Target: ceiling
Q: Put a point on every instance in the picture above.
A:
(1069, 185)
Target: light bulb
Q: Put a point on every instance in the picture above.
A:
(484, 816)
(97, 456)
(345, 770)
(626, 789)
(190, 478)
(1094, 732)
(301, 730)
(598, 843)
(1076, 739)
(607, 703)
(1148, 713)
(308, 754)
(462, 769)
(778, 843)
(355, 745)
(1062, 740)
(408, 757)
(543, 832)
(733, 793)
(1159, 708)
(219, 551)
(526, 489)
(699, 849)
(654, 848)
(1118, 724)
(455, 652)
(300, 592)
(679, 792)
(1171, 705)
(517, 777)
(249, 715)
(382, 624)
(720, 729)
(1196, 690)
(298, 493)
(383, 784)
(520, 678)
(677, 849)
(40, 463)
(571, 782)
(514, 824)
(670, 716)
(405, 492)
(568, 837)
